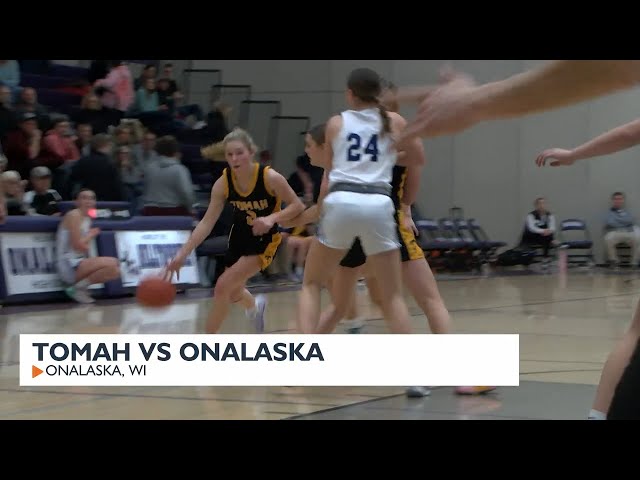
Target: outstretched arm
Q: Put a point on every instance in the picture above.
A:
(459, 104)
(204, 227)
(311, 214)
(616, 140)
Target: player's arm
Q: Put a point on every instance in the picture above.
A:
(311, 214)
(413, 149)
(554, 85)
(413, 94)
(78, 241)
(615, 140)
(204, 227)
(279, 185)
(411, 188)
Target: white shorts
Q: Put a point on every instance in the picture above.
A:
(67, 269)
(370, 216)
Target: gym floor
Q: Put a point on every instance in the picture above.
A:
(567, 327)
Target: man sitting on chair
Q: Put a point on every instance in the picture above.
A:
(620, 228)
(539, 229)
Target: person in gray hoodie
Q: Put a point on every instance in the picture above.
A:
(168, 189)
(620, 227)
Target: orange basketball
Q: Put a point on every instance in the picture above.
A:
(155, 292)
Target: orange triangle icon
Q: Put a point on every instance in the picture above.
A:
(35, 371)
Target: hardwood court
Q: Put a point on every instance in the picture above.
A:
(566, 329)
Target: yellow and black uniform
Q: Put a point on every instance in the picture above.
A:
(259, 201)
(409, 248)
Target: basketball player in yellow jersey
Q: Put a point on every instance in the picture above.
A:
(256, 193)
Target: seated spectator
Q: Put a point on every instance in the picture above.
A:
(93, 113)
(10, 76)
(28, 102)
(8, 116)
(116, 89)
(22, 145)
(148, 149)
(300, 181)
(620, 228)
(131, 175)
(149, 71)
(84, 134)
(42, 200)
(58, 146)
(539, 230)
(97, 171)
(13, 186)
(146, 99)
(168, 189)
(77, 269)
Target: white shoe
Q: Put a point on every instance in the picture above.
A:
(80, 295)
(258, 319)
(417, 392)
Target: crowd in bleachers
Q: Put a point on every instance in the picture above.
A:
(63, 128)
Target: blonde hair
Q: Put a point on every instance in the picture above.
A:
(240, 135)
(11, 175)
(214, 151)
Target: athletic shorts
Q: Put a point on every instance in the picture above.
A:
(367, 216)
(409, 248)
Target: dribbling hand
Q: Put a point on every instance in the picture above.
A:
(562, 157)
(174, 266)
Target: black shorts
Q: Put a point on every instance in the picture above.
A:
(409, 248)
(265, 247)
(626, 399)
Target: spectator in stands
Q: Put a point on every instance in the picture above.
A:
(77, 269)
(22, 146)
(149, 71)
(168, 189)
(84, 134)
(42, 200)
(95, 114)
(10, 76)
(539, 229)
(146, 99)
(167, 74)
(116, 89)
(148, 149)
(621, 228)
(130, 174)
(58, 146)
(13, 186)
(28, 102)
(8, 117)
(98, 172)
(300, 181)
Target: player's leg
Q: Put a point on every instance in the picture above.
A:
(230, 288)
(343, 289)
(614, 367)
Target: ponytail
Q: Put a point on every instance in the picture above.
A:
(386, 120)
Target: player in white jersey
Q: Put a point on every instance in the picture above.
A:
(359, 159)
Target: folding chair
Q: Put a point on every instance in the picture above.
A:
(575, 236)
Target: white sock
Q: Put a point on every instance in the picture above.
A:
(596, 415)
(251, 312)
(299, 271)
(82, 284)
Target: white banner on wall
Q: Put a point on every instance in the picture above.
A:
(29, 262)
(146, 253)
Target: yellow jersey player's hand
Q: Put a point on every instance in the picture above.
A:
(262, 225)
